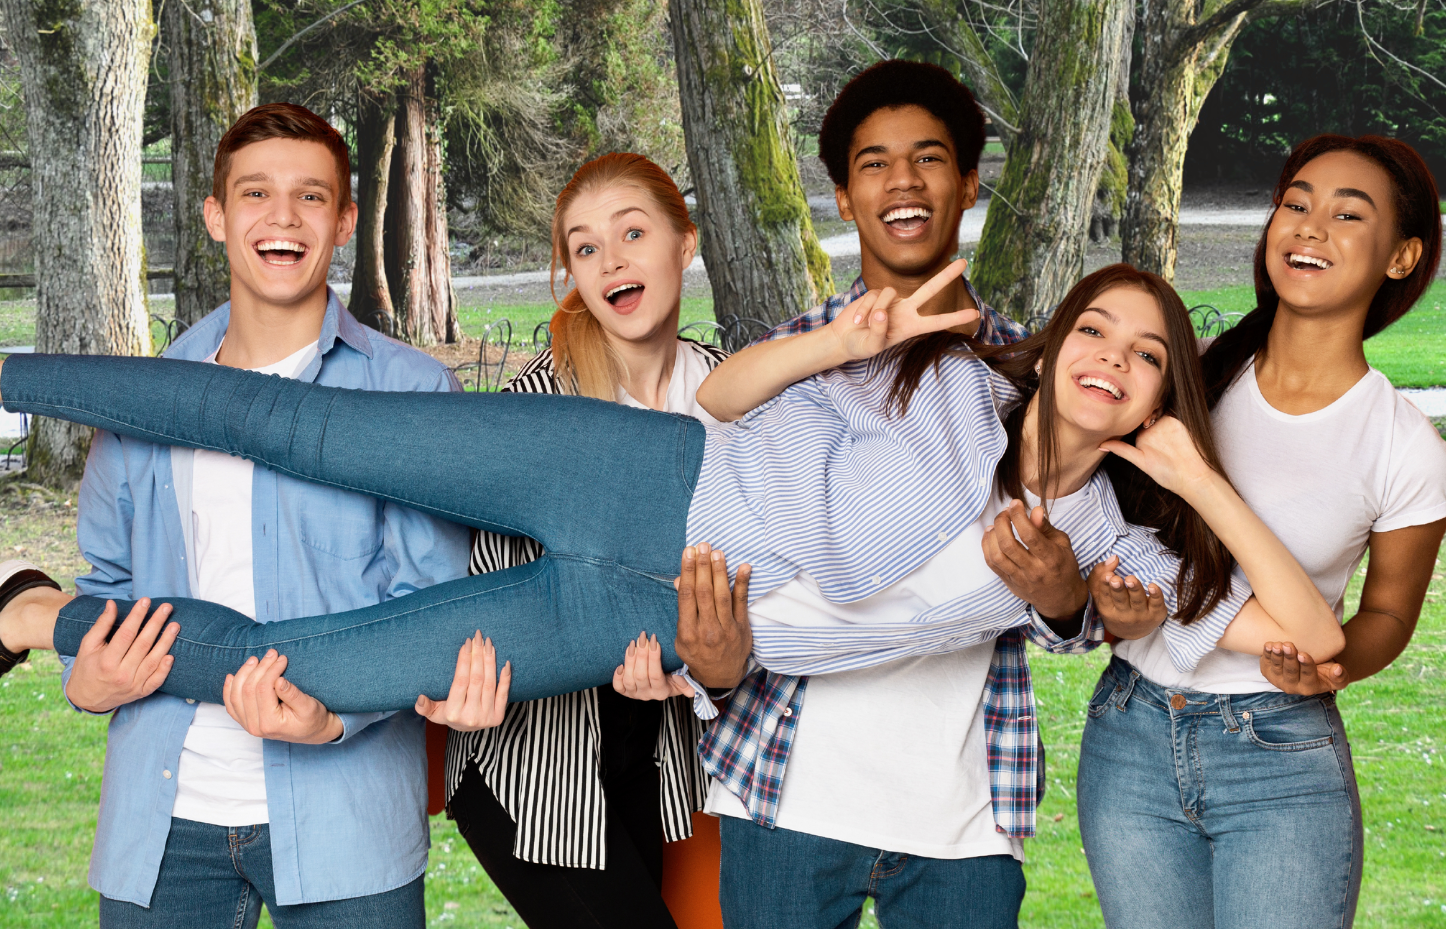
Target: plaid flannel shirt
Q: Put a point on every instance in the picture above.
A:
(747, 747)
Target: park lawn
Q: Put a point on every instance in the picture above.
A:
(51, 758)
(1412, 353)
(476, 315)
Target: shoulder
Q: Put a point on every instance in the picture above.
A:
(538, 376)
(202, 337)
(1420, 445)
(711, 355)
(817, 317)
(399, 366)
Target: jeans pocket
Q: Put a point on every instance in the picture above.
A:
(1105, 690)
(1295, 727)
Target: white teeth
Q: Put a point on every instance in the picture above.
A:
(1102, 384)
(279, 245)
(619, 289)
(907, 212)
(1296, 260)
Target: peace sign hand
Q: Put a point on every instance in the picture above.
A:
(881, 319)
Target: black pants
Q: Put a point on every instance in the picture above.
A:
(625, 895)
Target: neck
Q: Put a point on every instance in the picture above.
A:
(648, 364)
(1310, 360)
(955, 296)
(1076, 456)
(260, 332)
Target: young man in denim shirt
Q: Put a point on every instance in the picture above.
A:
(202, 819)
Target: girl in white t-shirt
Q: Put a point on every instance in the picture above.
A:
(1225, 796)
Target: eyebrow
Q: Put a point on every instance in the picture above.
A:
(1144, 333)
(917, 146)
(583, 227)
(263, 176)
(1351, 192)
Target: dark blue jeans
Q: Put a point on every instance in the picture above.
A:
(605, 488)
(780, 879)
(217, 877)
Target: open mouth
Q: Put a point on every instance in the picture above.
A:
(625, 296)
(907, 218)
(1100, 387)
(281, 253)
(1306, 262)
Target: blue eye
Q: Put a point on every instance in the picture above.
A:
(586, 250)
(634, 234)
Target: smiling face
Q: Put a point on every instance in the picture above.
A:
(627, 261)
(1333, 239)
(1109, 376)
(280, 221)
(905, 192)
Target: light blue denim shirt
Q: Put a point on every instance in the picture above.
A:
(348, 819)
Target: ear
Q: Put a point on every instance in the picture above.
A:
(1404, 258)
(346, 224)
(690, 246)
(1154, 416)
(969, 190)
(845, 209)
(215, 216)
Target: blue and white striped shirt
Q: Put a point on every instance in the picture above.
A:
(821, 479)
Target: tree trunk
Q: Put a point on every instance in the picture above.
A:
(439, 253)
(83, 69)
(212, 70)
(1178, 64)
(371, 300)
(1031, 250)
(763, 258)
(406, 218)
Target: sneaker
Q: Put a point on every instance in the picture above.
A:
(17, 576)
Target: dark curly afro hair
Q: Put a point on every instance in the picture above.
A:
(896, 83)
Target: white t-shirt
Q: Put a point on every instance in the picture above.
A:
(1322, 482)
(221, 779)
(689, 371)
(893, 757)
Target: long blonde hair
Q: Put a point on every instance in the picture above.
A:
(583, 359)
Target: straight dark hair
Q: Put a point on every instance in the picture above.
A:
(1418, 215)
(1205, 565)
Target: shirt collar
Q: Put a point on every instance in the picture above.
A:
(202, 339)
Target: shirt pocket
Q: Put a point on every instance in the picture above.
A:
(344, 526)
(1294, 727)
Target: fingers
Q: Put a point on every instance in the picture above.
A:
(95, 638)
(687, 590)
(152, 670)
(476, 680)
(1124, 450)
(1010, 555)
(657, 680)
(740, 594)
(462, 673)
(499, 699)
(1023, 522)
(722, 593)
(863, 305)
(140, 647)
(705, 583)
(952, 272)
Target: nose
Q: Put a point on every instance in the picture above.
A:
(283, 212)
(613, 260)
(904, 175)
(1113, 355)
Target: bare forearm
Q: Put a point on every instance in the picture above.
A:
(1373, 641)
(760, 372)
(1282, 588)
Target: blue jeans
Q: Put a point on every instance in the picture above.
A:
(781, 879)
(1218, 811)
(604, 487)
(217, 877)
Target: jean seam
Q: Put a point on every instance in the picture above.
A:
(243, 903)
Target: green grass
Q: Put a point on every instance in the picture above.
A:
(51, 759)
(1412, 353)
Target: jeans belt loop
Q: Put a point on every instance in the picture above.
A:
(1127, 690)
(1227, 714)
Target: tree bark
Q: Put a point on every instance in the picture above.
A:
(1031, 250)
(439, 252)
(405, 234)
(371, 300)
(756, 232)
(1178, 63)
(83, 69)
(212, 71)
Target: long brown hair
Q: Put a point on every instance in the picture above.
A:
(1418, 215)
(584, 361)
(1204, 575)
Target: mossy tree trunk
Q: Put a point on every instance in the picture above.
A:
(405, 233)
(439, 254)
(83, 69)
(1032, 247)
(1183, 48)
(212, 72)
(371, 300)
(757, 237)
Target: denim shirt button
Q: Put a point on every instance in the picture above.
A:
(166, 774)
(190, 699)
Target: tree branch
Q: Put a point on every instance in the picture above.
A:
(294, 39)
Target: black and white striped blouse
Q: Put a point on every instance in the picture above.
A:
(542, 762)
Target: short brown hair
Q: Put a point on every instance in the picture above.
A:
(280, 121)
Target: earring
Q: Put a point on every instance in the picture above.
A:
(1395, 271)
(1151, 421)
(1039, 366)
